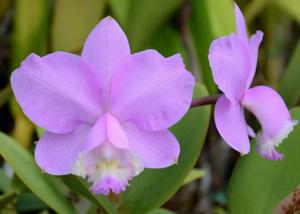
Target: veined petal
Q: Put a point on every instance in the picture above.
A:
(151, 91)
(231, 124)
(108, 168)
(274, 117)
(230, 62)
(241, 29)
(57, 153)
(254, 43)
(105, 49)
(157, 149)
(57, 92)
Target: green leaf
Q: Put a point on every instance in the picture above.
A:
(291, 7)
(210, 19)
(154, 187)
(258, 185)
(7, 198)
(80, 186)
(24, 166)
(73, 21)
(161, 211)
(28, 202)
(168, 42)
(30, 30)
(4, 181)
(120, 9)
(145, 19)
(290, 87)
(194, 175)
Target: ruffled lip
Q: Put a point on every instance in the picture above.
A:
(265, 146)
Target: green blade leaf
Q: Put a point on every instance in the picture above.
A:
(258, 185)
(194, 175)
(210, 19)
(30, 29)
(291, 7)
(73, 21)
(154, 187)
(80, 186)
(24, 166)
(7, 198)
(290, 87)
(145, 19)
(28, 202)
(120, 10)
(161, 211)
(5, 181)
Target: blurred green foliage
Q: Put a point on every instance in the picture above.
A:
(170, 26)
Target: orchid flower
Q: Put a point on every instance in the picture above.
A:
(107, 112)
(233, 61)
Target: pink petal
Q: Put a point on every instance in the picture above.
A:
(230, 62)
(240, 23)
(57, 92)
(254, 43)
(107, 128)
(151, 91)
(274, 117)
(105, 49)
(57, 153)
(97, 135)
(157, 149)
(115, 133)
(231, 124)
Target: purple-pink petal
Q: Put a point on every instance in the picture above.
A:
(52, 90)
(105, 49)
(241, 29)
(56, 153)
(151, 91)
(273, 116)
(231, 124)
(157, 149)
(230, 62)
(254, 43)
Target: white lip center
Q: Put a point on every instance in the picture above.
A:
(107, 168)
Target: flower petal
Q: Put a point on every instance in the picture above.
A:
(52, 90)
(151, 91)
(57, 153)
(240, 23)
(109, 169)
(157, 149)
(107, 128)
(230, 62)
(254, 43)
(231, 124)
(273, 115)
(105, 48)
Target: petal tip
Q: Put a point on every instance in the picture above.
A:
(266, 146)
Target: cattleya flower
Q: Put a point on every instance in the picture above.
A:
(233, 62)
(107, 112)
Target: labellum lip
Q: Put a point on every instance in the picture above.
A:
(108, 168)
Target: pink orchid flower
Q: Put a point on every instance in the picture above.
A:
(107, 112)
(233, 62)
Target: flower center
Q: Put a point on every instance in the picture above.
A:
(107, 168)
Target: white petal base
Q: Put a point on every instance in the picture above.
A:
(108, 168)
(265, 145)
